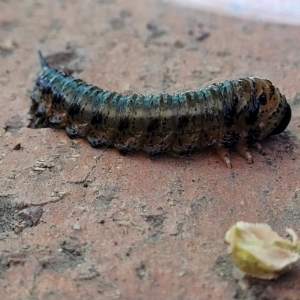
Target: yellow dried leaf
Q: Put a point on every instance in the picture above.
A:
(260, 252)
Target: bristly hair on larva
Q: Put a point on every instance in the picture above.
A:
(224, 114)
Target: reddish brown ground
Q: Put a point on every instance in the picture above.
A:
(116, 227)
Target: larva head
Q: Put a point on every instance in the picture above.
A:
(284, 121)
(274, 112)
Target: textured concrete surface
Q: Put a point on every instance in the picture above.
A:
(83, 223)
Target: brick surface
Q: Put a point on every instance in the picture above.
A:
(130, 227)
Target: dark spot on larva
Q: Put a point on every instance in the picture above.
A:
(272, 91)
(96, 119)
(188, 96)
(229, 114)
(74, 109)
(205, 134)
(252, 112)
(57, 98)
(235, 99)
(193, 120)
(46, 87)
(252, 136)
(183, 121)
(123, 124)
(153, 125)
(262, 98)
(230, 139)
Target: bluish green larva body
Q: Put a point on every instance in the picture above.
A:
(229, 113)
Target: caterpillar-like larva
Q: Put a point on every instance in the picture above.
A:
(230, 113)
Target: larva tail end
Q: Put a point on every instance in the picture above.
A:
(284, 121)
(44, 64)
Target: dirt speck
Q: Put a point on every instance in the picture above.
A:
(156, 221)
(14, 124)
(11, 216)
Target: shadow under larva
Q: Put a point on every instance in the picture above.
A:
(237, 112)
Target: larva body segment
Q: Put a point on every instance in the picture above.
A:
(230, 113)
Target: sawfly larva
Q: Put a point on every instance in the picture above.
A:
(230, 113)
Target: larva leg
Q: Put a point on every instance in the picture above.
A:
(243, 150)
(224, 155)
(258, 147)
